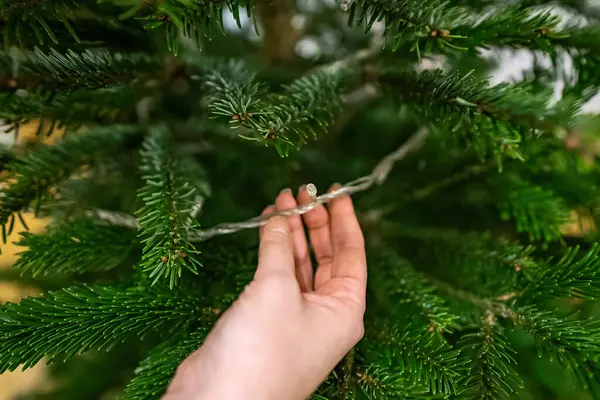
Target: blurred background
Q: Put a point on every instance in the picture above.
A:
(13, 384)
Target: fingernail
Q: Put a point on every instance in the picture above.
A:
(335, 186)
(302, 188)
(270, 209)
(286, 190)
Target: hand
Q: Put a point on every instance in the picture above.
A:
(286, 331)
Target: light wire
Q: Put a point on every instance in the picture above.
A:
(377, 177)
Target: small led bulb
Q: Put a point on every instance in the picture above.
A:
(312, 191)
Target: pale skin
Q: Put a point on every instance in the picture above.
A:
(289, 328)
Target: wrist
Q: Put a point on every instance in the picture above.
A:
(203, 377)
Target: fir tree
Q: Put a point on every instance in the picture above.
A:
(177, 115)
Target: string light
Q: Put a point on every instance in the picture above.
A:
(376, 177)
(311, 189)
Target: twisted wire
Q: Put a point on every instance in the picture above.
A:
(377, 176)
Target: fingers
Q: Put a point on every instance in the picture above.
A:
(270, 209)
(276, 250)
(336, 238)
(304, 274)
(348, 242)
(317, 222)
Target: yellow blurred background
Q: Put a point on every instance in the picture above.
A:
(17, 382)
(14, 383)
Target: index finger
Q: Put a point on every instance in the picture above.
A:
(348, 241)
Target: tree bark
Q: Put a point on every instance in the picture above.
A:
(279, 35)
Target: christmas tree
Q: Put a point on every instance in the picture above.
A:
(177, 121)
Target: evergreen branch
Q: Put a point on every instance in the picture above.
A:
(426, 360)
(345, 371)
(165, 219)
(233, 91)
(403, 285)
(460, 98)
(486, 305)
(383, 383)
(13, 7)
(418, 292)
(535, 210)
(194, 173)
(192, 19)
(549, 165)
(582, 38)
(436, 187)
(95, 187)
(581, 44)
(90, 69)
(492, 375)
(327, 389)
(63, 323)
(70, 110)
(405, 17)
(488, 265)
(73, 248)
(34, 173)
(489, 138)
(439, 25)
(584, 50)
(571, 276)
(155, 372)
(81, 23)
(37, 15)
(308, 104)
(583, 7)
(493, 119)
(13, 276)
(574, 344)
(513, 26)
(71, 379)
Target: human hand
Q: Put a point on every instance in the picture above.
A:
(287, 331)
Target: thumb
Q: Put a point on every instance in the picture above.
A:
(276, 251)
